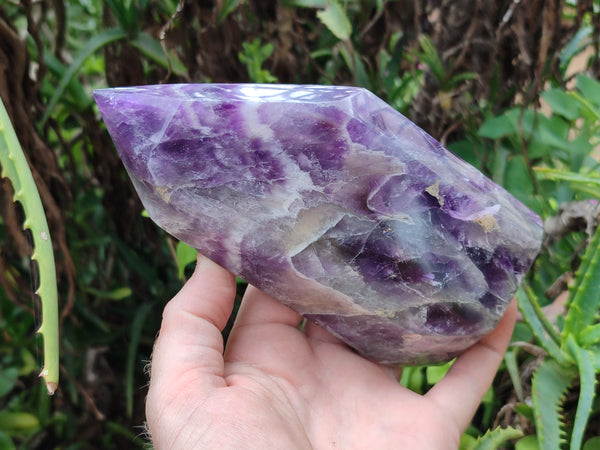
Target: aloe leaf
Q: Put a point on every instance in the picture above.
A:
(584, 298)
(548, 387)
(589, 336)
(587, 377)
(98, 41)
(492, 439)
(539, 325)
(16, 169)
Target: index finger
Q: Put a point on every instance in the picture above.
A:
(189, 349)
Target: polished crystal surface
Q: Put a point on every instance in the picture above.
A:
(331, 201)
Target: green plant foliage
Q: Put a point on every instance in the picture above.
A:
(16, 169)
(334, 17)
(527, 443)
(549, 385)
(584, 297)
(227, 7)
(185, 256)
(586, 365)
(94, 44)
(492, 439)
(254, 56)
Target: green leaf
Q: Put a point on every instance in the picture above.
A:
(185, 255)
(134, 338)
(584, 297)
(119, 293)
(6, 442)
(496, 127)
(227, 8)
(151, 48)
(525, 411)
(18, 422)
(517, 179)
(8, 379)
(551, 132)
(562, 103)
(578, 42)
(334, 17)
(305, 3)
(467, 442)
(592, 444)
(590, 88)
(253, 56)
(103, 38)
(512, 367)
(587, 389)
(429, 55)
(539, 325)
(435, 373)
(590, 335)
(459, 78)
(556, 174)
(492, 439)
(75, 90)
(527, 443)
(413, 378)
(548, 387)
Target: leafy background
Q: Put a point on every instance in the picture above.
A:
(509, 86)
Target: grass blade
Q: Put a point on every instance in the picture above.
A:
(100, 40)
(227, 7)
(15, 167)
(512, 367)
(136, 330)
(556, 174)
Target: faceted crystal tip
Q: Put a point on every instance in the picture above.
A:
(331, 201)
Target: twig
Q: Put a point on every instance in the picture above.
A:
(163, 32)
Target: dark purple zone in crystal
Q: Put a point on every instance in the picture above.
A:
(334, 203)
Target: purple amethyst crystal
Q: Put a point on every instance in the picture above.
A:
(332, 202)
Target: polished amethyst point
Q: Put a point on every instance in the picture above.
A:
(332, 202)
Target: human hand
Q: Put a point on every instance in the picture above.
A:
(276, 387)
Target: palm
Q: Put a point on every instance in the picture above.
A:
(278, 387)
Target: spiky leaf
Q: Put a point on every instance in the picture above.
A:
(584, 298)
(492, 439)
(539, 325)
(549, 385)
(587, 378)
(16, 169)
